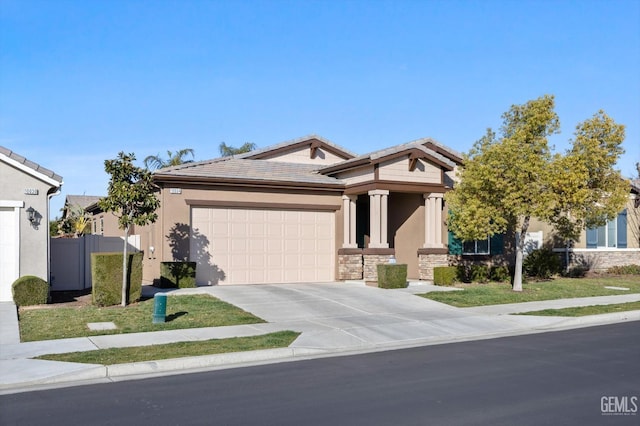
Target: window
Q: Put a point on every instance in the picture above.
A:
(476, 247)
(612, 234)
(492, 246)
(101, 226)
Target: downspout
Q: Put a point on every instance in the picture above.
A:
(50, 194)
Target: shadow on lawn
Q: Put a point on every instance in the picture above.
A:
(177, 315)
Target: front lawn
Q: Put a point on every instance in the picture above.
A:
(561, 288)
(189, 311)
(280, 339)
(581, 311)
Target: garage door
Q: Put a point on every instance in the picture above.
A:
(8, 251)
(255, 246)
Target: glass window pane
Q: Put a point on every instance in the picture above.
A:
(602, 236)
(611, 233)
(483, 246)
(469, 247)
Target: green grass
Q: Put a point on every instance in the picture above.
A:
(191, 311)
(585, 310)
(561, 288)
(280, 339)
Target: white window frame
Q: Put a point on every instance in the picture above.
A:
(475, 246)
(613, 222)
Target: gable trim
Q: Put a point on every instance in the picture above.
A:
(28, 170)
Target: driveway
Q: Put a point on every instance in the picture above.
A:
(351, 316)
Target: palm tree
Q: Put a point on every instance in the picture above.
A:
(156, 162)
(228, 150)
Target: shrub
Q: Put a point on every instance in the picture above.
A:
(479, 273)
(463, 273)
(444, 275)
(30, 290)
(106, 274)
(500, 274)
(542, 263)
(576, 272)
(392, 276)
(624, 270)
(177, 274)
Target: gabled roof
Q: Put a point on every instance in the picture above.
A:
(426, 148)
(230, 170)
(303, 141)
(34, 169)
(82, 201)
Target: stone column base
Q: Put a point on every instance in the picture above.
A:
(350, 266)
(426, 263)
(372, 258)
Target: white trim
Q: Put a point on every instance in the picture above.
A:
(12, 203)
(30, 171)
(16, 256)
(595, 250)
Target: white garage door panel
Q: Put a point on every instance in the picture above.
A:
(251, 246)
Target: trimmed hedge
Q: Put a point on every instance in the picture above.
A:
(445, 275)
(177, 274)
(392, 276)
(624, 270)
(106, 274)
(30, 290)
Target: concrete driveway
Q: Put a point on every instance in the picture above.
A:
(353, 316)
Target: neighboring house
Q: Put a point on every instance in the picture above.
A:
(74, 202)
(25, 190)
(303, 210)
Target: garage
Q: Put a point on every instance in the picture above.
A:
(262, 245)
(9, 250)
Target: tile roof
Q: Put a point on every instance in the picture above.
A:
(30, 164)
(83, 201)
(417, 144)
(239, 168)
(293, 142)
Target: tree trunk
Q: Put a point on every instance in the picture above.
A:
(517, 277)
(124, 267)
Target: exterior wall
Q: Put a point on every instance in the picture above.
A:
(34, 241)
(551, 240)
(601, 260)
(351, 177)
(303, 156)
(397, 169)
(107, 224)
(406, 229)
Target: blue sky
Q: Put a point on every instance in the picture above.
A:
(81, 80)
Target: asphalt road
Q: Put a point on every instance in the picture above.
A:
(552, 378)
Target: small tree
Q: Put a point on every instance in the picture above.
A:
(228, 150)
(131, 197)
(77, 222)
(508, 180)
(153, 162)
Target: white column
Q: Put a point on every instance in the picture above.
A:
(346, 221)
(352, 215)
(349, 221)
(433, 220)
(378, 218)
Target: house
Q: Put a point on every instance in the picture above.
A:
(78, 202)
(25, 190)
(303, 210)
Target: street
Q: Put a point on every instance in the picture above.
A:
(582, 376)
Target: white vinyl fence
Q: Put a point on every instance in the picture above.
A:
(71, 258)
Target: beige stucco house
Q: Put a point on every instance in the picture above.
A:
(25, 190)
(303, 210)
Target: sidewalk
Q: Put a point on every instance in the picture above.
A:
(334, 319)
